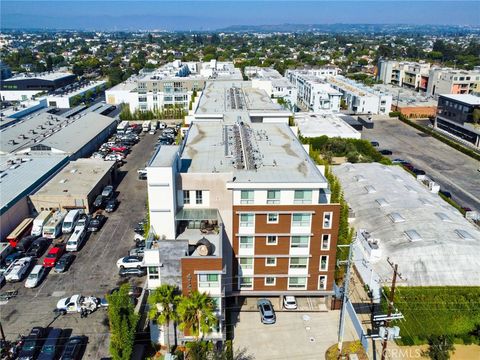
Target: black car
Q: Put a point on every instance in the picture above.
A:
(73, 347)
(386, 152)
(32, 344)
(51, 347)
(12, 257)
(139, 272)
(447, 194)
(24, 244)
(38, 247)
(64, 263)
(96, 223)
(98, 202)
(418, 171)
(374, 143)
(111, 205)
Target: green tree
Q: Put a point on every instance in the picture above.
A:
(476, 116)
(123, 323)
(196, 313)
(49, 62)
(439, 348)
(162, 303)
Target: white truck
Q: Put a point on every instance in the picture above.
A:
(78, 303)
(39, 221)
(146, 126)
(18, 269)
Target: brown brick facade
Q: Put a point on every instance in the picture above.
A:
(190, 265)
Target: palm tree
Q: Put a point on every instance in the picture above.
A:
(162, 303)
(196, 313)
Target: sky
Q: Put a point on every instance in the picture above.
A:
(212, 15)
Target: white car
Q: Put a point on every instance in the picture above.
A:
(289, 302)
(130, 262)
(113, 157)
(162, 125)
(152, 132)
(35, 276)
(76, 303)
(18, 269)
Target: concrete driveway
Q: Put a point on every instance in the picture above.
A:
(296, 335)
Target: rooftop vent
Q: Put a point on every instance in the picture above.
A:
(464, 234)
(359, 178)
(425, 202)
(63, 181)
(396, 217)
(398, 178)
(410, 189)
(382, 202)
(413, 235)
(442, 216)
(370, 189)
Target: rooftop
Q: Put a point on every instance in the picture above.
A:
(430, 240)
(406, 97)
(326, 123)
(50, 76)
(78, 178)
(76, 89)
(464, 98)
(164, 156)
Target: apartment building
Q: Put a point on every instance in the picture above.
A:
(170, 85)
(449, 81)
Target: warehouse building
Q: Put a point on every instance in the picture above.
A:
(75, 186)
(67, 98)
(325, 124)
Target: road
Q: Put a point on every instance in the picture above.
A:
(452, 170)
(94, 270)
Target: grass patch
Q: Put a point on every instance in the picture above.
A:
(349, 347)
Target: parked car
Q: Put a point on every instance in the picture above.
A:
(137, 251)
(107, 191)
(84, 221)
(267, 314)
(408, 166)
(139, 272)
(53, 255)
(51, 347)
(98, 203)
(24, 244)
(74, 347)
(38, 247)
(374, 143)
(289, 302)
(64, 263)
(96, 223)
(32, 344)
(447, 194)
(386, 152)
(18, 269)
(35, 276)
(77, 303)
(130, 262)
(418, 171)
(398, 161)
(162, 125)
(12, 257)
(111, 205)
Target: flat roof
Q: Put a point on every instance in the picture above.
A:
(270, 151)
(78, 178)
(129, 85)
(324, 123)
(80, 90)
(433, 244)
(50, 76)
(406, 97)
(20, 175)
(165, 156)
(464, 98)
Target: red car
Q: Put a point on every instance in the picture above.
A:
(53, 255)
(121, 149)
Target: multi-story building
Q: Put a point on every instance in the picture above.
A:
(240, 210)
(170, 85)
(455, 116)
(449, 81)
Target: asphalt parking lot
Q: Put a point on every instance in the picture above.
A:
(452, 170)
(295, 335)
(94, 270)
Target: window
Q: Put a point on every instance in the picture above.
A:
(326, 242)
(322, 282)
(208, 280)
(273, 197)
(272, 239)
(246, 282)
(272, 218)
(199, 197)
(270, 281)
(246, 263)
(246, 242)
(299, 241)
(270, 261)
(303, 197)
(298, 262)
(246, 197)
(297, 283)
(327, 220)
(324, 262)
(153, 272)
(186, 196)
(247, 220)
(301, 220)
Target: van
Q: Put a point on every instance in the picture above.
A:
(39, 221)
(77, 238)
(50, 348)
(70, 221)
(35, 276)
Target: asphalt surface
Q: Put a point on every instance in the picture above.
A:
(94, 270)
(452, 170)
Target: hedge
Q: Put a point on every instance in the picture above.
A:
(437, 310)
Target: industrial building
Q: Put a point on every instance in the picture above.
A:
(65, 98)
(398, 218)
(325, 124)
(19, 177)
(75, 186)
(14, 113)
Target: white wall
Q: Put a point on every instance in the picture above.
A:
(17, 95)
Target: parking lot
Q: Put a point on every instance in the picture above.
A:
(295, 335)
(94, 270)
(452, 170)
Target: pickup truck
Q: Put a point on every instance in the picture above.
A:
(78, 303)
(18, 269)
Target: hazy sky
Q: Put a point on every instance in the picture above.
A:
(210, 15)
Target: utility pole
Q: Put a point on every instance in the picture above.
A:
(346, 286)
(390, 304)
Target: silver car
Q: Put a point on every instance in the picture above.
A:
(267, 314)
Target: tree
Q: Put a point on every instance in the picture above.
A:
(476, 116)
(49, 63)
(123, 323)
(162, 303)
(439, 348)
(195, 313)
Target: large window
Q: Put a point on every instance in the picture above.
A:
(299, 241)
(270, 261)
(273, 196)
(298, 262)
(297, 283)
(272, 239)
(246, 197)
(247, 220)
(303, 197)
(301, 220)
(186, 196)
(322, 282)
(153, 272)
(246, 282)
(246, 263)
(327, 220)
(326, 242)
(323, 262)
(199, 197)
(272, 218)
(208, 280)
(246, 242)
